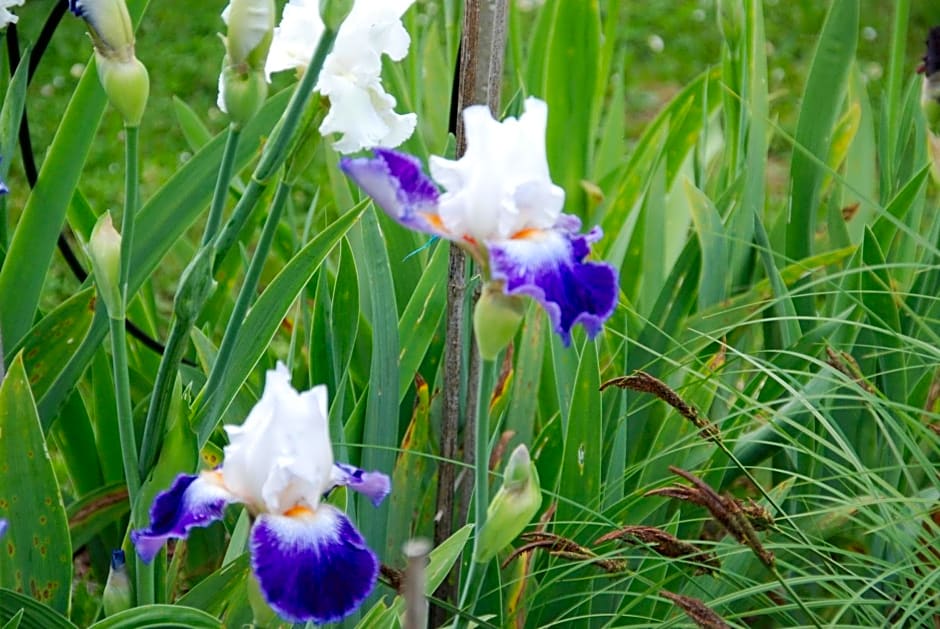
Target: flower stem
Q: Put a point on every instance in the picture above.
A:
(215, 403)
(481, 485)
(276, 149)
(125, 410)
(185, 317)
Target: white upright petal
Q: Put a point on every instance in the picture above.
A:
(281, 456)
(5, 16)
(296, 37)
(501, 186)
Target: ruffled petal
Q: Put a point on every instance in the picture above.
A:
(312, 566)
(399, 186)
(375, 485)
(191, 501)
(547, 266)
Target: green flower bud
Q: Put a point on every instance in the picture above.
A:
(127, 85)
(104, 250)
(333, 12)
(241, 94)
(117, 590)
(513, 506)
(496, 318)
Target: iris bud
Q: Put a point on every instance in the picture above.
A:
(496, 318)
(117, 590)
(333, 12)
(242, 85)
(123, 77)
(513, 506)
(196, 285)
(104, 250)
(127, 85)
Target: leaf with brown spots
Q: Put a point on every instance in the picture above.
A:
(36, 557)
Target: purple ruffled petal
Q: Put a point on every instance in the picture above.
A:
(77, 7)
(3, 527)
(191, 501)
(312, 566)
(548, 266)
(398, 185)
(375, 485)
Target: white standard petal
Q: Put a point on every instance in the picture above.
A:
(281, 456)
(5, 16)
(296, 37)
(377, 24)
(249, 23)
(501, 186)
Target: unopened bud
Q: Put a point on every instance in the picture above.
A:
(333, 12)
(513, 506)
(104, 250)
(250, 30)
(117, 590)
(122, 75)
(241, 94)
(127, 85)
(496, 318)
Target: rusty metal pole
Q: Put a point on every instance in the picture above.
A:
(480, 70)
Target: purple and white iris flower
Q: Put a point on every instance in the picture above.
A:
(500, 204)
(5, 16)
(361, 111)
(310, 561)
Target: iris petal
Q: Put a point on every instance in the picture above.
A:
(548, 266)
(312, 566)
(191, 501)
(375, 485)
(399, 186)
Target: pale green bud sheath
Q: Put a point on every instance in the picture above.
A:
(242, 84)
(513, 506)
(495, 319)
(117, 591)
(104, 250)
(123, 77)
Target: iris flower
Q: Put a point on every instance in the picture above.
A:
(310, 561)
(5, 16)
(361, 111)
(500, 205)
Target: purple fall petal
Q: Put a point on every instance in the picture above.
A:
(375, 485)
(548, 266)
(312, 566)
(191, 501)
(398, 185)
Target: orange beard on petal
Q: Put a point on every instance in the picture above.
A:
(299, 511)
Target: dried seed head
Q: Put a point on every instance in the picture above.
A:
(700, 613)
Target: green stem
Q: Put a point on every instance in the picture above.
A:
(130, 208)
(221, 185)
(276, 149)
(185, 316)
(124, 409)
(481, 487)
(206, 423)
